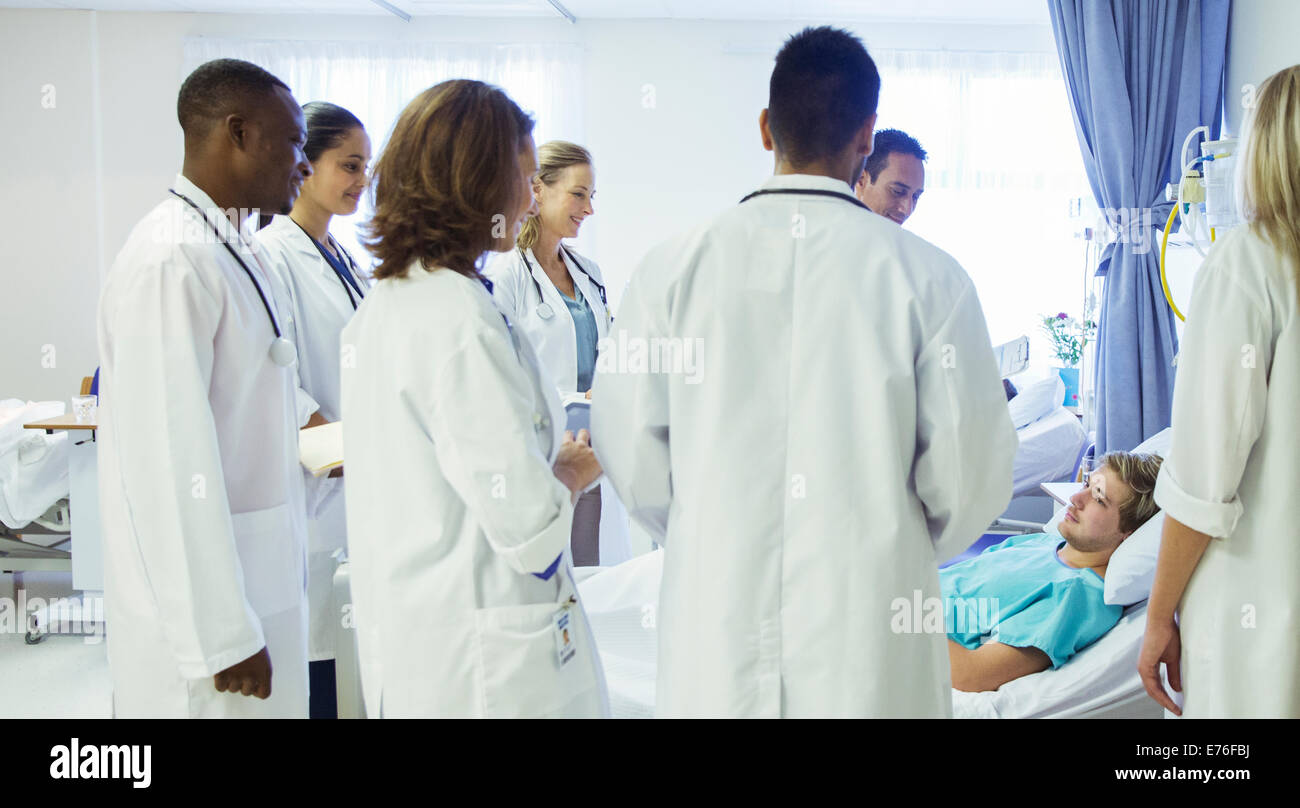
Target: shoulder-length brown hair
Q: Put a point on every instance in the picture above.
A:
(446, 179)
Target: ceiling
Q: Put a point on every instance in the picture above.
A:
(985, 11)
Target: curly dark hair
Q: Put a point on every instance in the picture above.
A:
(446, 179)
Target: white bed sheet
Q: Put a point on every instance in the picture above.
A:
(33, 465)
(1048, 450)
(1100, 681)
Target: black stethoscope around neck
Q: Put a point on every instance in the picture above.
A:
(807, 192)
(282, 351)
(544, 309)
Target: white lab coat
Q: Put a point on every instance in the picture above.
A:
(449, 437)
(555, 340)
(316, 308)
(846, 430)
(200, 492)
(1231, 474)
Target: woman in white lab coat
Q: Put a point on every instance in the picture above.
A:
(1229, 560)
(460, 476)
(558, 299)
(319, 285)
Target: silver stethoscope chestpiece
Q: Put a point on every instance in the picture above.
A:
(545, 311)
(282, 352)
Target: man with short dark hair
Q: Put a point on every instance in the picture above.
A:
(201, 505)
(894, 177)
(843, 429)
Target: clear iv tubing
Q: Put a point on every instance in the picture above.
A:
(1191, 230)
(1182, 155)
(1178, 212)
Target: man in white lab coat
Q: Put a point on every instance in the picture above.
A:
(201, 497)
(839, 428)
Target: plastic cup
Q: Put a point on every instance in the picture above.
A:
(83, 408)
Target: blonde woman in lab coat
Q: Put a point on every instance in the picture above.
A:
(1229, 561)
(558, 299)
(460, 476)
(320, 285)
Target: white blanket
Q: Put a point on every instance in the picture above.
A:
(1100, 681)
(33, 465)
(1049, 448)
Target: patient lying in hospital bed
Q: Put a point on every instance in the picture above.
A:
(1098, 681)
(1034, 601)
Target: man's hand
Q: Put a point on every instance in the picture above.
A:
(576, 465)
(316, 419)
(252, 677)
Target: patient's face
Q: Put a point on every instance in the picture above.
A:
(1091, 523)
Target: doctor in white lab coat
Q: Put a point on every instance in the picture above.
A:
(460, 477)
(834, 428)
(321, 285)
(201, 496)
(1229, 563)
(558, 299)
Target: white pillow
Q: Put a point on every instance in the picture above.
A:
(1036, 400)
(1132, 566)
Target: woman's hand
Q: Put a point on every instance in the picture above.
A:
(576, 465)
(1162, 642)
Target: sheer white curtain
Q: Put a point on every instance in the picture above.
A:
(1003, 169)
(375, 81)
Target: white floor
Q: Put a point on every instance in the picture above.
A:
(64, 675)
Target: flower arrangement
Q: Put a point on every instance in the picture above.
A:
(1068, 336)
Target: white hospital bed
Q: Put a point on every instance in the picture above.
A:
(1099, 682)
(1051, 437)
(1048, 452)
(33, 465)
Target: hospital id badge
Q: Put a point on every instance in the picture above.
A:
(566, 641)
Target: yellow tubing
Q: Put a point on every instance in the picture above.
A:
(1164, 242)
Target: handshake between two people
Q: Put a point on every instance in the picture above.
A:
(576, 465)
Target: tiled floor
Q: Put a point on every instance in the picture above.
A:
(66, 675)
(63, 676)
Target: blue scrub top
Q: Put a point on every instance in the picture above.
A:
(1020, 593)
(584, 327)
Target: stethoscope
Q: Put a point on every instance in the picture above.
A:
(348, 283)
(282, 351)
(541, 422)
(807, 192)
(544, 309)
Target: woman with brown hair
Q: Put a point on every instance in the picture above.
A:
(460, 478)
(1229, 560)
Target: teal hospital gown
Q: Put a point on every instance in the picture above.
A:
(1020, 593)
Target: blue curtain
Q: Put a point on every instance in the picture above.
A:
(1141, 75)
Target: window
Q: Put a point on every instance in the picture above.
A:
(1003, 169)
(375, 81)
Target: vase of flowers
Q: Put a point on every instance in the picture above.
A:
(1068, 337)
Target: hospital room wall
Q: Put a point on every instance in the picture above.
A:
(671, 112)
(49, 214)
(1261, 41)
